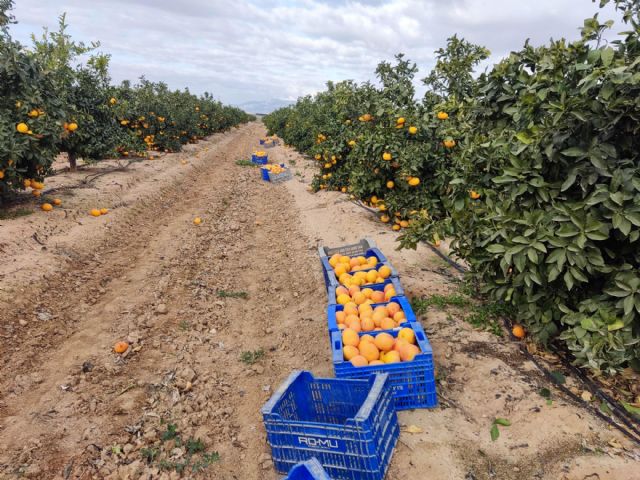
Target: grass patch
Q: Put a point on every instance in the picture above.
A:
(231, 294)
(184, 325)
(196, 457)
(249, 357)
(245, 163)
(17, 213)
(485, 316)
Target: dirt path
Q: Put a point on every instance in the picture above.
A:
(217, 316)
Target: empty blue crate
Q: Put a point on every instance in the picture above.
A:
(395, 281)
(410, 317)
(309, 470)
(413, 383)
(365, 248)
(350, 426)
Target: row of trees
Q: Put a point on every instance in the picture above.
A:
(52, 102)
(532, 169)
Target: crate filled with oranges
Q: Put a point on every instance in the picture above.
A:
(372, 326)
(404, 354)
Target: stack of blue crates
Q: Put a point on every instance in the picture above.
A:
(347, 428)
(413, 382)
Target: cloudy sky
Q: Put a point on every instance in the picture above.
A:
(249, 50)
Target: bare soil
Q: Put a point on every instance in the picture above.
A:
(218, 315)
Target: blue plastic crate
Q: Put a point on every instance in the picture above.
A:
(259, 159)
(413, 383)
(330, 279)
(331, 289)
(350, 426)
(309, 470)
(402, 301)
(262, 140)
(352, 250)
(265, 174)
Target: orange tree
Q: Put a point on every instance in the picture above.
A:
(531, 170)
(158, 118)
(30, 113)
(90, 130)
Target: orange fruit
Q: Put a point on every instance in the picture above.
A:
(369, 351)
(386, 156)
(414, 181)
(36, 193)
(367, 325)
(413, 130)
(95, 212)
(354, 262)
(449, 143)
(384, 271)
(359, 298)
(387, 323)
(353, 289)
(22, 127)
(340, 317)
(400, 342)
(351, 318)
(366, 338)
(333, 261)
(376, 362)
(197, 221)
(351, 309)
(407, 334)
(104, 211)
(359, 361)
(384, 342)
(393, 308)
(408, 352)
(341, 269)
(120, 347)
(350, 337)
(47, 207)
(399, 317)
(72, 127)
(377, 296)
(392, 357)
(518, 331)
(390, 184)
(388, 294)
(340, 290)
(367, 292)
(443, 115)
(343, 299)
(349, 352)
(57, 202)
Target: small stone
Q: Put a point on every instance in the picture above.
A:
(162, 309)
(43, 316)
(187, 375)
(264, 457)
(23, 322)
(128, 448)
(259, 369)
(87, 366)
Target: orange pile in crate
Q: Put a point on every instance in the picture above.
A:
(365, 318)
(380, 349)
(351, 270)
(359, 296)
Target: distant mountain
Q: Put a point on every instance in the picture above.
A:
(264, 106)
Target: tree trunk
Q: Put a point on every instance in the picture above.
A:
(72, 162)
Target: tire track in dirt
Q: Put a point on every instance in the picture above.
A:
(187, 370)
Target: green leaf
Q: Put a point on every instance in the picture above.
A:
(524, 137)
(494, 432)
(606, 55)
(635, 411)
(496, 248)
(571, 178)
(502, 421)
(574, 152)
(588, 324)
(545, 392)
(617, 325)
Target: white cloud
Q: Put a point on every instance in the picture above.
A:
(246, 50)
